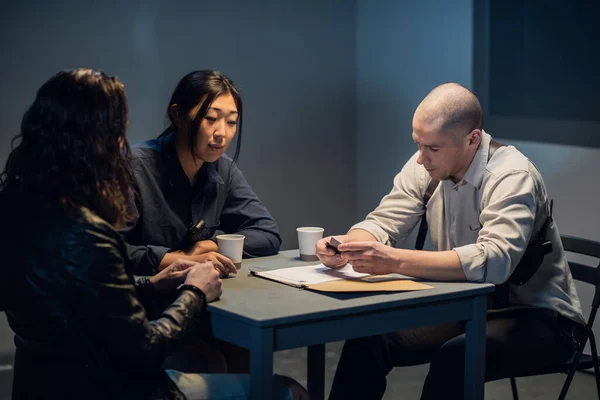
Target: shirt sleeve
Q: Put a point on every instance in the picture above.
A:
(507, 221)
(243, 213)
(144, 258)
(400, 210)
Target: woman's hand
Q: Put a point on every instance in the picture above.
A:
(200, 247)
(205, 277)
(224, 264)
(172, 276)
(219, 261)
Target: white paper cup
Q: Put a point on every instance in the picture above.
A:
(232, 247)
(308, 236)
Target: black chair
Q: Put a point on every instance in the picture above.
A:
(579, 361)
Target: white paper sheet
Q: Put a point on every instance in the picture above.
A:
(313, 274)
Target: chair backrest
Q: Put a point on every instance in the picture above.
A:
(582, 272)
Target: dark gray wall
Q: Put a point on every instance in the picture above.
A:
(292, 60)
(403, 50)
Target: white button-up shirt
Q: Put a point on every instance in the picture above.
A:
(488, 219)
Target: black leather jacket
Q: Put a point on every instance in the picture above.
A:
(80, 329)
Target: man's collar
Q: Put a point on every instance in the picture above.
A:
(474, 175)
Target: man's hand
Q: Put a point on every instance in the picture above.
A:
(327, 256)
(371, 257)
(172, 276)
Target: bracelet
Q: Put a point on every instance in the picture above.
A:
(145, 284)
(196, 290)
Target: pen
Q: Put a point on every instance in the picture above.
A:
(197, 228)
(194, 233)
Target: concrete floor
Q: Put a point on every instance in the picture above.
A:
(5, 376)
(403, 383)
(406, 383)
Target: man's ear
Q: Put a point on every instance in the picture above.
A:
(174, 114)
(475, 138)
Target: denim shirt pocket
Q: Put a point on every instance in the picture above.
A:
(209, 229)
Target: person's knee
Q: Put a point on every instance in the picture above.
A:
(370, 353)
(375, 345)
(449, 362)
(454, 348)
(445, 378)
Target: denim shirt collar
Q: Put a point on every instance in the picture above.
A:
(209, 172)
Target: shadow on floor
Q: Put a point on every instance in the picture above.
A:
(406, 383)
(403, 383)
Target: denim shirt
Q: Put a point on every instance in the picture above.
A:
(166, 204)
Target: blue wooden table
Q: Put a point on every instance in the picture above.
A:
(265, 316)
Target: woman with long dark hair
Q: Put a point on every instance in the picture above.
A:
(184, 177)
(67, 285)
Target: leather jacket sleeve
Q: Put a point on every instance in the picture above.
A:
(103, 300)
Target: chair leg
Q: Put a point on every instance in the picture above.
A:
(513, 386)
(595, 357)
(565, 388)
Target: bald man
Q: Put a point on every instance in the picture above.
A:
(489, 204)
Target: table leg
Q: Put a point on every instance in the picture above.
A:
(475, 350)
(261, 364)
(316, 371)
